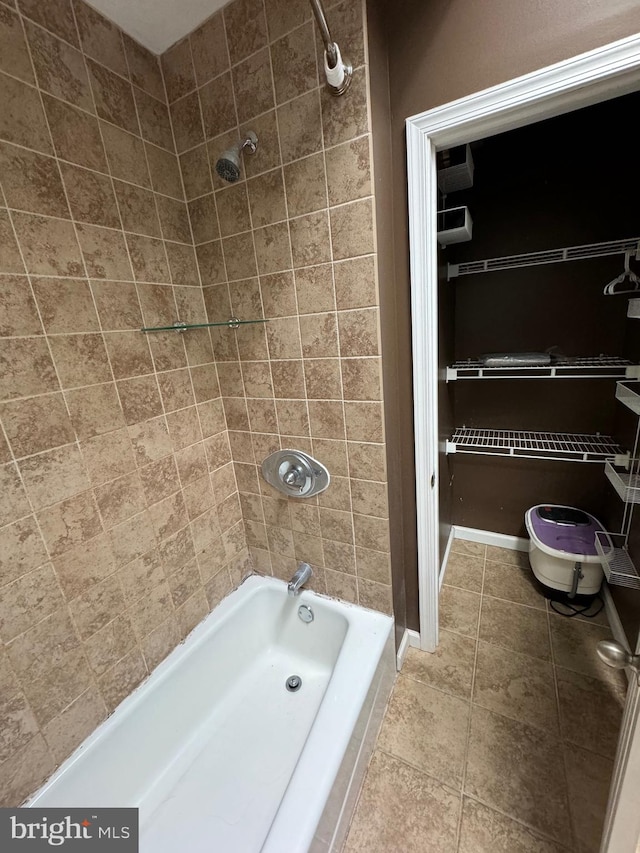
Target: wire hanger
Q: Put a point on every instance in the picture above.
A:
(610, 289)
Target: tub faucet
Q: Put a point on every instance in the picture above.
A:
(302, 575)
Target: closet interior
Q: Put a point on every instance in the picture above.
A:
(539, 324)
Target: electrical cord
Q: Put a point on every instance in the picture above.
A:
(578, 611)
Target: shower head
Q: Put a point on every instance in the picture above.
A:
(228, 165)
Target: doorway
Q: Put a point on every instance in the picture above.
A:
(602, 74)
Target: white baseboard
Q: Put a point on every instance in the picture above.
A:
(614, 619)
(445, 559)
(486, 537)
(410, 638)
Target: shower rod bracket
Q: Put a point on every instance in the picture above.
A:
(338, 71)
(339, 77)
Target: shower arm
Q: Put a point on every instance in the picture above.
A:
(337, 70)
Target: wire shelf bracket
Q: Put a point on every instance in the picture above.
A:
(629, 394)
(554, 446)
(550, 256)
(616, 562)
(626, 484)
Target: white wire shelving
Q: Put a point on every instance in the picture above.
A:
(523, 444)
(629, 394)
(548, 256)
(596, 367)
(617, 565)
(626, 484)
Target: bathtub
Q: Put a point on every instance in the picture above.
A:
(218, 755)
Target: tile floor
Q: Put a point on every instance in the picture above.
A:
(503, 741)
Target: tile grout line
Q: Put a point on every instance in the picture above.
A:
(60, 389)
(244, 181)
(570, 815)
(177, 315)
(214, 334)
(116, 572)
(463, 780)
(537, 833)
(65, 602)
(276, 107)
(164, 104)
(201, 114)
(129, 259)
(117, 569)
(128, 255)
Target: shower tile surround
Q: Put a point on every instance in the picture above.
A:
(130, 497)
(291, 241)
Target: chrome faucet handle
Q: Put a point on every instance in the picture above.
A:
(295, 477)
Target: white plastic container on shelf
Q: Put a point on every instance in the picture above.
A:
(633, 309)
(455, 169)
(454, 225)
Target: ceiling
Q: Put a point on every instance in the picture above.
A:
(157, 24)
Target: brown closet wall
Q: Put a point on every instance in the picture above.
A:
(437, 52)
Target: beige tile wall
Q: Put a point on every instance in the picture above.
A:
(120, 521)
(129, 478)
(293, 242)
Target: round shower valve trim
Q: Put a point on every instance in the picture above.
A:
(295, 473)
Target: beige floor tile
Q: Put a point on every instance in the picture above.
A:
(427, 729)
(590, 711)
(459, 610)
(589, 777)
(516, 686)
(402, 809)
(519, 770)
(485, 831)
(464, 571)
(449, 668)
(512, 583)
(463, 546)
(516, 627)
(574, 647)
(507, 556)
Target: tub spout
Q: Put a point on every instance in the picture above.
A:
(302, 575)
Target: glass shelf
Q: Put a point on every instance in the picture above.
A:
(231, 323)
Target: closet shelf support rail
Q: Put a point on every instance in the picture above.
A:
(523, 444)
(550, 256)
(596, 367)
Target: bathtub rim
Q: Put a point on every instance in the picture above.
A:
(318, 765)
(319, 762)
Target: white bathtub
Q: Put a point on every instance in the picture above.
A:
(218, 755)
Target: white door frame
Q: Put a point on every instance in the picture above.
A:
(586, 79)
(606, 72)
(621, 832)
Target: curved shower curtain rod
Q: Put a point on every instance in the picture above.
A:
(338, 71)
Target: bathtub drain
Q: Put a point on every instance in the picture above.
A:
(293, 683)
